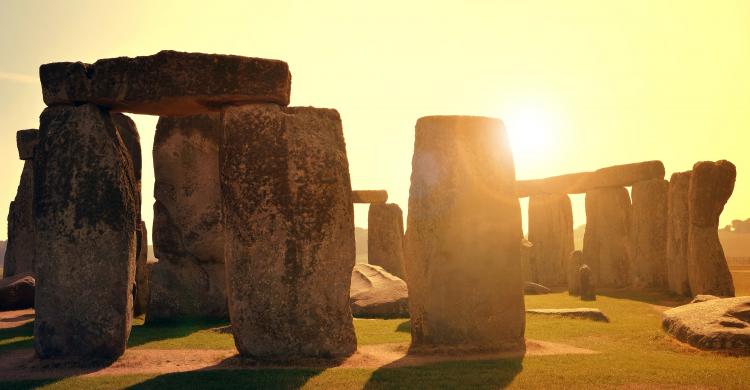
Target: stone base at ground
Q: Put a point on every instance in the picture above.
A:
(17, 292)
(580, 312)
(187, 289)
(375, 293)
(714, 325)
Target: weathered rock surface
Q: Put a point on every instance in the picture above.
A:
(289, 232)
(711, 185)
(648, 234)
(85, 217)
(17, 292)
(376, 293)
(703, 298)
(678, 224)
(168, 83)
(714, 325)
(579, 312)
(531, 288)
(369, 196)
(551, 233)
(572, 267)
(463, 205)
(20, 250)
(188, 231)
(26, 141)
(526, 249)
(577, 183)
(141, 291)
(605, 244)
(385, 237)
(132, 139)
(588, 289)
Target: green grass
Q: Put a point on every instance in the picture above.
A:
(634, 352)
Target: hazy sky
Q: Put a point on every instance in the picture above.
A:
(580, 84)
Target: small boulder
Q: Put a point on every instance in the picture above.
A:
(580, 312)
(375, 293)
(17, 292)
(714, 325)
(530, 288)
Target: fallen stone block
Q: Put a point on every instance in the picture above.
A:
(17, 292)
(580, 312)
(375, 293)
(714, 325)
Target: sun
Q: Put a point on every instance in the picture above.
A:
(532, 130)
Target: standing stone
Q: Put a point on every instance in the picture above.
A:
(586, 280)
(463, 264)
(85, 216)
(129, 134)
(605, 244)
(711, 185)
(573, 266)
(551, 232)
(678, 224)
(141, 290)
(289, 233)
(385, 240)
(526, 248)
(189, 279)
(19, 253)
(648, 234)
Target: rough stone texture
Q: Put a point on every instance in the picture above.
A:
(140, 291)
(703, 298)
(168, 83)
(17, 292)
(26, 141)
(85, 217)
(289, 232)
(188, 280)
(369, 196)
(385, 238)
(711, 185)
(376, 293)
(586, 277)
(551, 233)
(462, 237)
(574, 263)
(580, 312)
(714, 325)
(648, 234)
(530, 288)
(678, 224)
(129, 134)
(577, 183)
(605, 244)
(20, 250)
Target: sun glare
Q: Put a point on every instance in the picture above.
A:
(531, 129)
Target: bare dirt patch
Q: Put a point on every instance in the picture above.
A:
(14, 318)
(22, 364)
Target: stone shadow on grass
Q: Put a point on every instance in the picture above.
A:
(491, 374)
(163, 330)
(24, 331)
(404, 327)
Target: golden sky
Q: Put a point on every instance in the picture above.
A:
(580, 84)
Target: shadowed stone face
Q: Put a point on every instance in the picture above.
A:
(26, 141)
(574, 263)
(289, 232)
(677, 233)
(188, 280)
(385, 241)
(551, 233)
(463, 264)
(168, 83)
(648, 234)
(605, 244)
(85, 217)
(711, 185)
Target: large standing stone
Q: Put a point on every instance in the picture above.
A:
(572, 267)
(463, 263)
(605, 244)
(141, 291)
(188, 280)
(678, 224)
(289, 222)
(168, 83)
(385, 237)
(586, 281)
(20, 250)
(129, 134)
(551, 233)
(648, 234)
(711, 185)
(85, 216)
